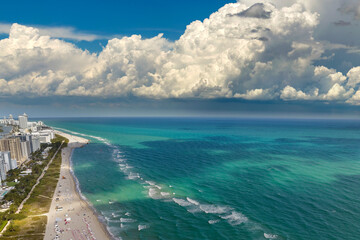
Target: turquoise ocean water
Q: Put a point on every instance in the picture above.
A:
(192, 178)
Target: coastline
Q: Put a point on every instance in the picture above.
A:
(84, 220)
(87, 202)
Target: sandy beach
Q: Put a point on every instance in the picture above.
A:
(70, 217)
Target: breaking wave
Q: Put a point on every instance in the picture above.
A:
(158, 192)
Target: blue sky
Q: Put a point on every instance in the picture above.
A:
(111, 18)
(227, 58)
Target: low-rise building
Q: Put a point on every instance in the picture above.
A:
(26, 172)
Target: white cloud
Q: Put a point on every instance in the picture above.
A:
(290, 93)
(256, 94)
(338, 92)
(265, 53)
(355, 99)
(58, 32)
(354, 77)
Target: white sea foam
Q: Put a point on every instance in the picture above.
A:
(165, 194)
(127, 220)
(214, 221)
(192, 201)
(235, 218)
(212, 208)
(270, 236)
(114, 215)
(154, 193)
(112, 220)
(128, 214)
(133, 176)
(194, 209)
(150, 183)
(181, 202)
(142, 227)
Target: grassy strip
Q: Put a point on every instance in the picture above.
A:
(3, 223)
(40, 199)
(11, 184)
(29, 224)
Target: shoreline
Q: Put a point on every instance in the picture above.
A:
(84, 220)
(87, 202)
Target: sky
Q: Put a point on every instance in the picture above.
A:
(293, 58)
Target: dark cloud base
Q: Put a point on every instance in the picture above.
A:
(255, 11)
(112, 107)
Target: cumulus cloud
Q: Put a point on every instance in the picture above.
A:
(354, 77)
(255, 51)
(345, 13)
(338, 92)
(256, 94)
(58, 32)
(355, 99)
(290, 93)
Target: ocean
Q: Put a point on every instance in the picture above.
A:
(208, 178)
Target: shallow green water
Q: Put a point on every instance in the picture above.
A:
(221, 178)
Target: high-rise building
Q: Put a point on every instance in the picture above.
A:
(11, 120)
(9, 163)
(23, 121)
(35, 140)
(25, 149)
(12, 145)
(13, 164)
(7, 158)
(27, 138)
(2, 167)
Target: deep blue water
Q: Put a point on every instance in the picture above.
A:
(193, 178)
